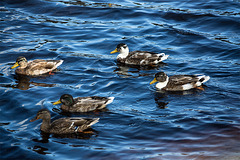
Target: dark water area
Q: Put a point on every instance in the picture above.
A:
(200, 37)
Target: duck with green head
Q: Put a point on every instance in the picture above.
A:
(83, 104)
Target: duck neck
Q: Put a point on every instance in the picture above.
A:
(124, 53)
(46, 124)
(161, 85)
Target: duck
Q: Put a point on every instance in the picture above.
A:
(66, 125)
(179, 82)
(83, 104)
(140, 58)
(35, 67)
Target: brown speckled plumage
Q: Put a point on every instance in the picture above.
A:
(36, 67)
(83, 104)
(63, 125)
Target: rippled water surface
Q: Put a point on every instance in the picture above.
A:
(201, 37)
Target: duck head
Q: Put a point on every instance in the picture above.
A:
(122, 49)
(42, 114)
(21, 61)
(65, 99)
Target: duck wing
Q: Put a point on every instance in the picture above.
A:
(183, 79)
(145, 58)
(86, 104)
(71, 125)
(38, 66)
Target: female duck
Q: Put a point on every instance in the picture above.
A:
(179, 82)
(83, 104)
(141, 58)
(63, 125)
(35, 67)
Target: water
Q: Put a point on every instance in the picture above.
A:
(200, 37)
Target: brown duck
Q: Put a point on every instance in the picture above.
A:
(35, 67)
(63, 125)
(83, 104)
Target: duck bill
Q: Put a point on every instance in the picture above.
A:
(15, 65)
(34, 119)
(58, 102)
(114, 51)
(153, 81)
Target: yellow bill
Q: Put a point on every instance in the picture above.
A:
(114, 51)
(15, 65)
(153, 81)
(58, 102)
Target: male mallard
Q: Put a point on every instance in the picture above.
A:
(179, 82)
(35, 67)
(138, 57)
(63, 125)
(83, 104)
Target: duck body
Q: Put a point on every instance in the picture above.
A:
(141, 58)
(63, 125)
(179, 82)
(35, 67)
(83, 104)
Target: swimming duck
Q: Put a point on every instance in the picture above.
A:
(83, 104)
(63, 125)
(35, 67)
(138, 57)
(179, 82)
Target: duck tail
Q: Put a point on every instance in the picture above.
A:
(163, 56)
(94, 120)
(203, 78)
(59, 63)
(110, 100)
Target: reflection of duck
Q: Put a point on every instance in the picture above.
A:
(23, 83)
(35, 67)
(83, 104)
(179, 82)
(135, 71)
(63, 125)
(142, 58)
(160, 100)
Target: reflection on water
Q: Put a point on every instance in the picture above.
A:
(134, 71)
(23, 82)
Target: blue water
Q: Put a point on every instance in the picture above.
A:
(201, 37)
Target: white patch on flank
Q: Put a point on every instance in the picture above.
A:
(71, 125)
(141, 62)
(161, 85)
(155, 62)
(110, 100)
(187, 86)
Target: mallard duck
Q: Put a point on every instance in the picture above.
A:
(35, 67)
(63, 125)
(179, 82)
(83, 104)
(141, 58)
